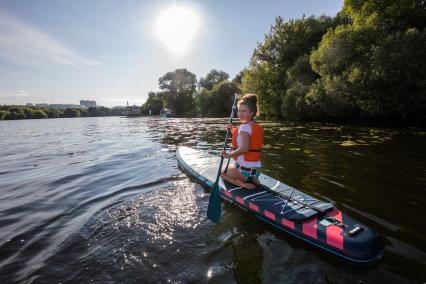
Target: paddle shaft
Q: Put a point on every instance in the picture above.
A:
(226, 141)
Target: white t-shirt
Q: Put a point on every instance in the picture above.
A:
(246, 127)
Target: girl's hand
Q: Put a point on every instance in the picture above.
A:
(224, 154)
(229, 126)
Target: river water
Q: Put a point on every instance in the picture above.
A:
(102, 200)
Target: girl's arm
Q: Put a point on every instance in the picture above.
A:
(244, 147)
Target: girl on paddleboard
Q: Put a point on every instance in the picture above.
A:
(247, 141)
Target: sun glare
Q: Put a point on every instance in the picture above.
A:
(177, 27)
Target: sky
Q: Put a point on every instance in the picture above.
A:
(113, 52)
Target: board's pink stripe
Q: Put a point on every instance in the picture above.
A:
(288, 223)
(227, 193)
(240, 200)
(254, 207)
(334, 236)
(269, 214)
(310, 228)
(336, 214)
(334, 233)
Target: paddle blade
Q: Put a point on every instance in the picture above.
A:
(214, 209)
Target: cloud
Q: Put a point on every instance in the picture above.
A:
(23, 44)
(14, 94)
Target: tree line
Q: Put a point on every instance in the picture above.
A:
(367, 62)
(20, 112)
(180, 90)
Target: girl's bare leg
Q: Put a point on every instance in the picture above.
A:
(234, 176)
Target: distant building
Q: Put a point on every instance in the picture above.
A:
(29, 105)
(133, 110)
(41, 105)
(87, 104)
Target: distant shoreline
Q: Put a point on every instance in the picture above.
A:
(383, 122)
(13, 112)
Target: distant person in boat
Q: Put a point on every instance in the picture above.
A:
(247, 141)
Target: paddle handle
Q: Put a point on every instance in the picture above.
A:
(227, 132)
(234, 107)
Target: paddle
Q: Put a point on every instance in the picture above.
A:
(214, 209)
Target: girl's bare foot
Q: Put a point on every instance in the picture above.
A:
(245, 184)
(238, 182)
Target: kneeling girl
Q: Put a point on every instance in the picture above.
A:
(247, 141)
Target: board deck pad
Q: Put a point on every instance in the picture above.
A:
(308, 218)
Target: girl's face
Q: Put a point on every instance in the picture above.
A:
(244, 113)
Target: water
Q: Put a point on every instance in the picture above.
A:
(102, 200)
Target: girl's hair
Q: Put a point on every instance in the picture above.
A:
(250, 100)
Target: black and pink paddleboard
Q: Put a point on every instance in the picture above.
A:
(314, 221)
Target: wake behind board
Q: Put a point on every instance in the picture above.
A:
(314, 221)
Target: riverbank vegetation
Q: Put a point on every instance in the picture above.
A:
(366, 63)
(30, 112)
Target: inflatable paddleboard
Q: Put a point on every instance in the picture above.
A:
(314, 221)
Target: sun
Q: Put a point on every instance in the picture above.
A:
(177, 27)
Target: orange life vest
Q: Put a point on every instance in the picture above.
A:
(256, 142)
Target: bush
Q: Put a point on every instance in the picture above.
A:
(38, 113)
(71, 112)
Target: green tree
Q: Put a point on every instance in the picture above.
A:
(84, 113)
(272, 58)
(216, 102)
(202, 102)
(373, 66)
(212, 78)
(16, 113)
(29, 113)
(71, 112)
(299, 80)
(92, 111)
(2, 114)
(38, 113)
(153, 103)
(178, 88)
(260, 79)
(102, 111)
(238, 80)
(54, 113)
